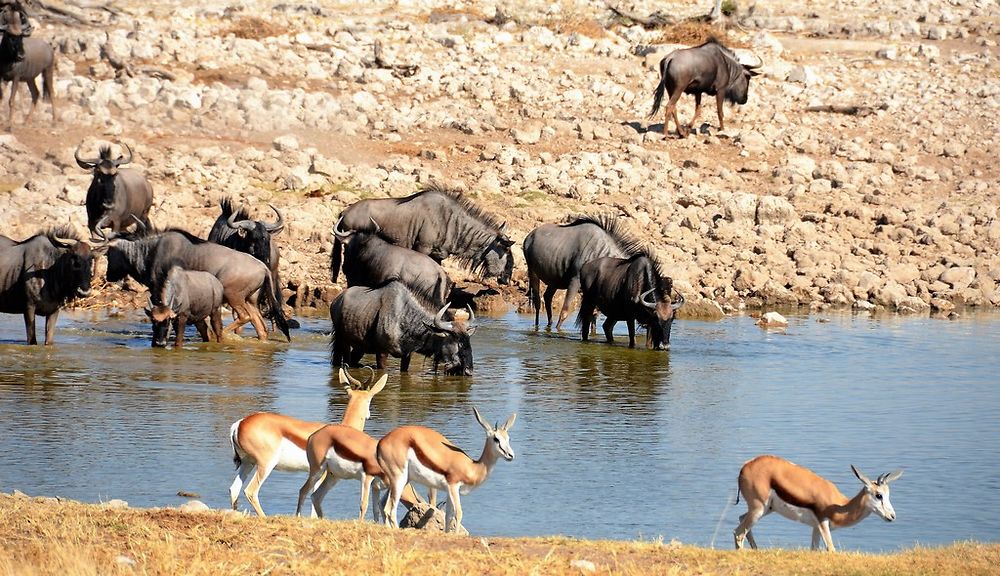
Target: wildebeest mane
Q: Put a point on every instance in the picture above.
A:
(456, 195)
(226, 204)
(104, 152)
(615, 227)
(663, 283)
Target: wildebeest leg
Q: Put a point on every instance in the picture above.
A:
(697, 112)
(50, 328)
(671, 110)
(571, 289)
(609, 328)
(47, 88)
(550, 292)
(258, 322)
(404, 362)
(202, 326)
(533, 285)
(33, 90)
(631, 332)
(29, 324)
(217, 324)
(10, 104)
(720, 99)
(180, 322)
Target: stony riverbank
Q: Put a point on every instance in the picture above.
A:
(860, 173)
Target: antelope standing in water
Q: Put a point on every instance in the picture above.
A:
(421, 455)
(773, 484)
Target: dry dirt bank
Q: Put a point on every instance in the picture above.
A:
(862, 171)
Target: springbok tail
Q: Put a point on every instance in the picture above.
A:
(737, 491)
(233, 431)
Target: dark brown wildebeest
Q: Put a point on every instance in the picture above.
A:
(556, 252)
(709, 69)
(390, 320)
(438, 222)
(41, 274)
(117, 197)
(370, 260)
(630, 289)
(23, 59)
(187, 295)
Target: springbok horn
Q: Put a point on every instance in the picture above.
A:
(438, 320)
(680, 301)
(122, 161)
(277, 226)
(338, 233)
(244, 224)
(647, 303)
(377, 227)
(85, 164)
(371, 380)
(354, 382)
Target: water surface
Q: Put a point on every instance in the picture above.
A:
(609, 442)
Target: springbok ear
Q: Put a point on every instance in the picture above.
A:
(892, 476)
(864, 479)
(342, 378)
(510, 422)
(380, 384)
(479, 418)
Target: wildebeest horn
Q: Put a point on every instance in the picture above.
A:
(64, 242)
(439, 320)
(85, 164)
(121, 160)
(141, 225)
(377, 227)
(244, 224)
(338, 233)
(277, 226)
(647, 303)
(679, 302)
(472, 316)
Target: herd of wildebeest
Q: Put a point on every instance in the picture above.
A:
(397, 302)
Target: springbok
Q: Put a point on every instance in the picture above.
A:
(421, 455)
(773, 484)
(266, 441)
(341, 453)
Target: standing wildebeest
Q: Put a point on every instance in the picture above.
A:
(245, 280)
(630, 289)
(556, 252)
(709, 69)
(187, 295)
(371, 261)
(40, 274)
(390, 320)
(435, 221)
(22, 59)
(117, 196)
(235, 229)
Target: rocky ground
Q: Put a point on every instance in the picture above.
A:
(861, 172)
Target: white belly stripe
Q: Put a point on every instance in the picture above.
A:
(790, 511)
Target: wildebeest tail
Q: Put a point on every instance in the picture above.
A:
(661, 88)
(336, 257)
(233, 431)
(276, 312)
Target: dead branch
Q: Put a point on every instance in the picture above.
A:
(399, 70)
(847, 109)
(655, 20)
(59, 11)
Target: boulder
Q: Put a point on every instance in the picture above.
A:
(772, 320)
(774, 210)
(959, 276)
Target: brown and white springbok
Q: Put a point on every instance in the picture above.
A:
(773, 484)
(266, 441)
(422, 455)
(341, 453)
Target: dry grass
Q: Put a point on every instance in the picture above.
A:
(41, 536)
(582, 25)
(695, 32)
(253, 28)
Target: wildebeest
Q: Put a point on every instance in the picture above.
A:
(234, 228)
(556, 252)
(117, 196)
(245, 280)
(41, 274)
(630, 289)
(709, 69)
(438, 222)
(390, 320)
(186, 296)
(370, 260)
(22, 59)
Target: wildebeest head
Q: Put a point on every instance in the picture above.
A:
(256, 232)
(498, 260)
(661, 314)
(75, 264)
(14, 26)
(739, 81)
(105, 169)
(453, 347)
(161, 315)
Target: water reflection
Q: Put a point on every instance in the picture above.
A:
(601, 429)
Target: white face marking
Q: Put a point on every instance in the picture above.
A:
(501, 441)
(878, 501)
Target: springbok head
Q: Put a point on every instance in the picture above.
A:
(497, 436)
(878, 493)
(361, 391)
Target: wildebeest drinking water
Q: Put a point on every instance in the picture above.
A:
(438, 222)
(556, 252)
(390, 320)
(631, 289)
(186, 295)
(709, 69)
(41, 274)
(22, 59)
(117, 197)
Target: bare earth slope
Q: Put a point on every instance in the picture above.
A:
(862, 170)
